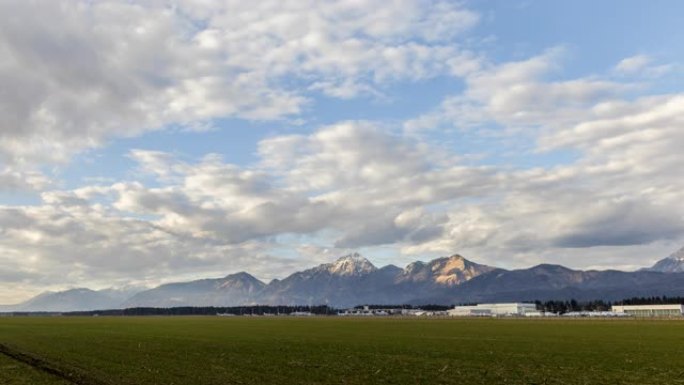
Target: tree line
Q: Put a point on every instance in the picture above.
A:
(572, 305)
(209, 310)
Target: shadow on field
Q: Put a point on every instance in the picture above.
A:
(72, 375)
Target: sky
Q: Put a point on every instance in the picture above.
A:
(155, 141)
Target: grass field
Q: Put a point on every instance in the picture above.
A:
(17, 373)
(280, 350)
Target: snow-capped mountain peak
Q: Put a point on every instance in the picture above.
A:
(352, 264)
(672, 264)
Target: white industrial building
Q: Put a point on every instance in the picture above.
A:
(650, 310)
(493, 310)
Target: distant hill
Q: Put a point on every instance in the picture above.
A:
(234, 289)
(353, 280)
(71, 300)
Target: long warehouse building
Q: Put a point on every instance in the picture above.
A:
(650, 310)
(493, 309)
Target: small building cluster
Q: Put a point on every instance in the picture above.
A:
(593, 314)
(301, 314)
(366, 311)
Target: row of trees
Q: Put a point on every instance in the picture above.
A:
(600, 305)
(561, 307)
(664, 300)
(208, 310)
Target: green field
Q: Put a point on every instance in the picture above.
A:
(281, 350)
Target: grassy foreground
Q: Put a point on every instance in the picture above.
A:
(242, 350)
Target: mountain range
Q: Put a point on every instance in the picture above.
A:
(352, 280)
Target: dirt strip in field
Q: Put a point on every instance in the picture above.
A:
(70, 375)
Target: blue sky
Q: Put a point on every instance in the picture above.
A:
(148, 142)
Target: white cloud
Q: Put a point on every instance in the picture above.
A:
(518, 95)
(19, 180)
(76, 73)
(642, 66)
(362, 153)
(633, 64)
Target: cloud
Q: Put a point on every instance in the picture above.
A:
(518, 95)
(633, 64)
(621, 223)
(361, 152)
(646, 122)
(642, 66)
(15, 180)
(78, 73)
